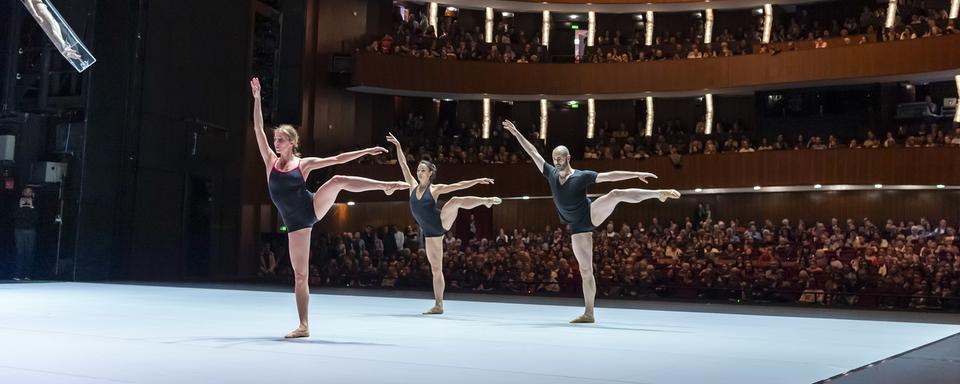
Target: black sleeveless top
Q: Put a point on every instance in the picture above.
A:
(289, 193)
(426, 212)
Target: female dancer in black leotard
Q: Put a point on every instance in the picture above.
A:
(434, 222)
(300, 209)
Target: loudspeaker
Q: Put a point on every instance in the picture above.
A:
(341, 64)
(48, 172)
(8, 144)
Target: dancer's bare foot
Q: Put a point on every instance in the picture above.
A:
(301, 331)
(436, 310)
(583, 319)
(491, 201)
(665, 194)
(396, 187)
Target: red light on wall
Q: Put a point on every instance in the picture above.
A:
(8, 184)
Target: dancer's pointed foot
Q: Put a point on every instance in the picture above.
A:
(436, 310)
(490, 201)
(583, 319)
(301, 331)
(664, 194)
(396, 187)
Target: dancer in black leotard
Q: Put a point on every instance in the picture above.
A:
(300, 209)
(569, 189)
(434, 222)
(288, 191)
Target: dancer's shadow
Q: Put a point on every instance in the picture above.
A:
(416, 316)
(587, 326)
(228, 342)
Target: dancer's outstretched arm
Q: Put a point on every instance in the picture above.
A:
(41, 12)
(605, 177)
(33, 11)
(308, 164)
(267, 153)
(439, 189)
(402, 160)
(527, 146)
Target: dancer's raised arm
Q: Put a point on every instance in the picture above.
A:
(605, 177)
(33, 11)
(309, 164)
(440, 189)
(41, 12)
(527, 146)
(402, 160)
(267, 153)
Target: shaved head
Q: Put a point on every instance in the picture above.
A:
(561, 158)
(561, 150)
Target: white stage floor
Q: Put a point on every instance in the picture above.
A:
(100, 333)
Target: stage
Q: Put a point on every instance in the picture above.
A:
(107, 333)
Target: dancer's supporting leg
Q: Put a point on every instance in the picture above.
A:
(583, 251)
(300, 260)
(435, 256)
(300, 240)
(600, 210)
(603, 206)
(327, 194)
(448, 215)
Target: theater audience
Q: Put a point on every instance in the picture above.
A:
(891, 264)
(461, 143)
(412, 36)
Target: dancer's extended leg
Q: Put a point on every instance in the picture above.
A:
(327, 194)
(448, 214)
(603, 206)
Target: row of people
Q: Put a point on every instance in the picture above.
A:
(413, 36)
(465, 146)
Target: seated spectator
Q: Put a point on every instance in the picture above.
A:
(871, 141)
(889, 142)
(832, 142)
(816, 143)
(268, 262)
(764, 146)
(820, 43)
(710, 148)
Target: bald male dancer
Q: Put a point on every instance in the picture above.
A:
(569, 189)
